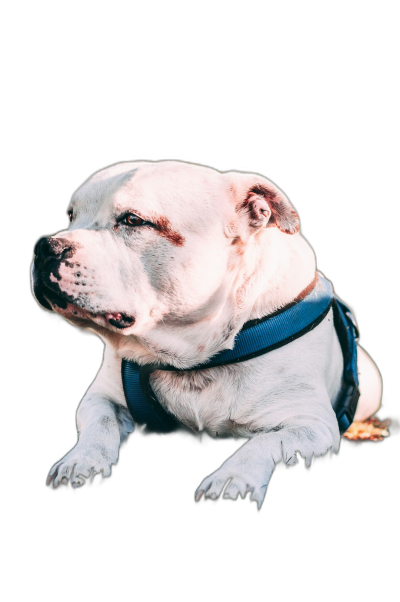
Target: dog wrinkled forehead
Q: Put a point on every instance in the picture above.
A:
(182, 192)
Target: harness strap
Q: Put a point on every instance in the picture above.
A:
(141, 400)
(349, 395)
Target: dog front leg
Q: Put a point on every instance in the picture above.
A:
(101, 432)
(251, 467)
(102, 422)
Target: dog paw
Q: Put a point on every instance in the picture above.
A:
(80, 464)
(234, 485)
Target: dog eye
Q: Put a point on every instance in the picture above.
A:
(70, 215)
(130, 219)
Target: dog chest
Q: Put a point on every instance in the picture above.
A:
(243, 398)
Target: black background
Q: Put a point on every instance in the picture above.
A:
(325, 138)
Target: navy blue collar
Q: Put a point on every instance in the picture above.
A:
(258, 337)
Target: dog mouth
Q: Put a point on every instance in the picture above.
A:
(47, 297)
(73, 308)
(119, 320)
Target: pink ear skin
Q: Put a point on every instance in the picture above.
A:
(264, 203)
(259, 212)
(283, 216)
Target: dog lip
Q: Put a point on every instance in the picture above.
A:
(48, 294)
(119, 320)
(41, 298)
(54, 296)
(38, 288)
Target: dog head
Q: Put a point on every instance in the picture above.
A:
(161, 245)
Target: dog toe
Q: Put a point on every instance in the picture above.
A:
(233, 484)
(79, 465)
(235, 488)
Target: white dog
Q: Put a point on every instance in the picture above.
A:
(166, 261)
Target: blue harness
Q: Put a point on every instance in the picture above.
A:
(258, 337)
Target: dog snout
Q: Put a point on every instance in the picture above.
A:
(55, 248)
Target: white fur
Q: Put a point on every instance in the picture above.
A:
(189, 299)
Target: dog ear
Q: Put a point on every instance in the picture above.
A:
(262, 202)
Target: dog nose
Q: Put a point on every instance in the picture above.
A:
(51, 247)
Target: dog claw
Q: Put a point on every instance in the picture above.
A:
(198, 494)
(49, 479)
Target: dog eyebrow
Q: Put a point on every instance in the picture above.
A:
(163, 226)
